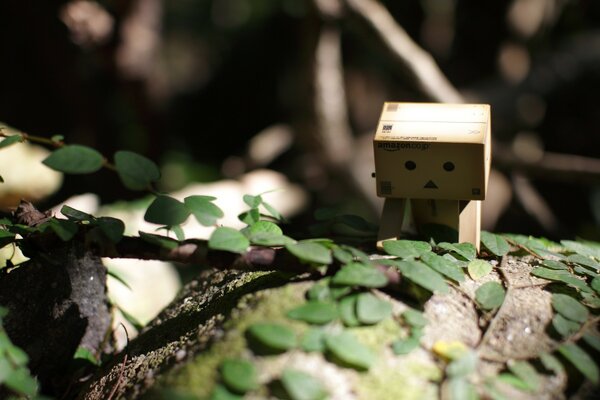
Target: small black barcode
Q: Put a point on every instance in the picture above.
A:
(391, 107)
(385, 187)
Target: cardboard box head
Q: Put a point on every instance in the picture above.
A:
(433, 151)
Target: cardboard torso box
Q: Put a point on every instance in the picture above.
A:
(433, 151)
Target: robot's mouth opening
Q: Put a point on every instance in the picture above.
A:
(430, 185)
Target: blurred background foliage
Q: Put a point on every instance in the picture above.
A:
(213, 89)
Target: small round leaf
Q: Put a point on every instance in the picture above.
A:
(314, 312)
(405, 346)
(565, 327)
(10, 140)
(302, 386)
(371, 309)
(581, 360)
(358, 274)
(239, 375)
(203, 209)
(423, 276)
(166, 210)
(495, 243)
(136, 171)
(310, 252)
(350, 351)
(478, 269)
(75, 159)
(490, 295)
(406, 248)
(274, 336)
(228, 239)
(569, 308)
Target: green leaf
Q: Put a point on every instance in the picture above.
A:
(414, 318)
(116, 275)
(10, 140)
(590, 300)
(563, 326)
(584, 271)
(551, 363)
(561, 276)
(345, 348)
(272, 211)
(581, 360)
(252, 201)
(552, 264)
(490, 295)
(463, 366)
(203, 209)
(57, 138)
(239, 375)
(113, 228)
(264, 227)
(423, 276)
(585, 261)
(220, 392)
(581, 248)
(526, 372)
(319, 291)
(495, 243)
(136, 171)
(250, 217)
(76, 215)
(6, 369)
(17, 355)
(302, 386)
(461, 388)
(478, 269)
(592, 340)
(406, 248)
(6, 237)
(75, 159)
(513, 381)
(63, 228)
(569, 308)
(270, 239)
(22, 382)
(358, 274)
(443, 266)
(371, 309)
(347, 308)
(274, 336)
(465, 250)
(405, 346)
(344, 256)
(228, 239)
(310, 252)
(83, 353)
(158, 240)
(178, 231)
(314, 312)
(313, 340)
(165, 210)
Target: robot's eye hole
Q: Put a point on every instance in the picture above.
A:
(410, 165)
(449, 166)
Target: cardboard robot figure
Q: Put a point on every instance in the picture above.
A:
(432, 163)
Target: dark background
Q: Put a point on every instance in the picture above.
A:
(240, 66)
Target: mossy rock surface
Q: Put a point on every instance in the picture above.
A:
(182, 349)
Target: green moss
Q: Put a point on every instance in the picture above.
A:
(199, 376)
(397, 383)
(377, 336)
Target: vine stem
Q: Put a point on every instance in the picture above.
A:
(55, 144)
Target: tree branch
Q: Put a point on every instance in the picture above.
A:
(427, 75)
